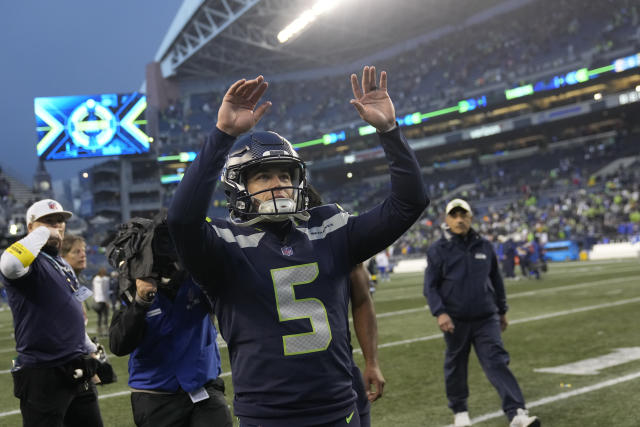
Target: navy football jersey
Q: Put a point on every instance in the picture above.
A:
(281, 290)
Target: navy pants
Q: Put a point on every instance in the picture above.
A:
(509, 267)
(351, 420)
(485, 336)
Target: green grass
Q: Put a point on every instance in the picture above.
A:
(578, 311)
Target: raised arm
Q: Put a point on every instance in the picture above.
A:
(381, 226)
(193, 237)
(16, 260)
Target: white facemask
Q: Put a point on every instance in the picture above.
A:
(283, 205)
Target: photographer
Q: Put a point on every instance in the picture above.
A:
(165, 326)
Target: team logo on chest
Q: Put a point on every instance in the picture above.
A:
(287, 250)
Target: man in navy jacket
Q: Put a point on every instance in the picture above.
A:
(466, 294)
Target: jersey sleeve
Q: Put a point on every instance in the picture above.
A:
(379, 227)
(194, 238)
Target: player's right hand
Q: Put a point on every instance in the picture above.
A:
(238, 113)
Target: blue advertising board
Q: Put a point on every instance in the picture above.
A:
(562, 250)
(70, 127)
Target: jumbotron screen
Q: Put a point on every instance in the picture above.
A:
(71, 127)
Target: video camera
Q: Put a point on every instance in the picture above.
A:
(143, 248)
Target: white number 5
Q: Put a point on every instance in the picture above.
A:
(290, 308)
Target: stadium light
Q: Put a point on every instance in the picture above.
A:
(305, 18)
(597, 96)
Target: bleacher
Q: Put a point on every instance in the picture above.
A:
(442, 71)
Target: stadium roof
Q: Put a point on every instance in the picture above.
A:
(222, 38)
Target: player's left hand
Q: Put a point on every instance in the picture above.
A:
(373, 382)
(372, 100)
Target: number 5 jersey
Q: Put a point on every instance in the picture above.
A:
(280, 289)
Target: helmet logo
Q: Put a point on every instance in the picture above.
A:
(52, 205)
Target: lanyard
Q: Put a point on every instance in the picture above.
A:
(66, 272)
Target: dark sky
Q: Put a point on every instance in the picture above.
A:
(69, 47)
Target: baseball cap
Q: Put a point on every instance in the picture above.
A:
(458, 203)
(45, 207)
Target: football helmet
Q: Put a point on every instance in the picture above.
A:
(258, 150)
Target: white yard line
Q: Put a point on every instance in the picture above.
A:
(518, 295)
(481, 418)
(561, 396)
(516, 321)
(104, 396)
(393, 294)
(222, 344)
(432, 337)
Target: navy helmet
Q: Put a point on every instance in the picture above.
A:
(256, 150)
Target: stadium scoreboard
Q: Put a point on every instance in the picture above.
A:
(71, 127)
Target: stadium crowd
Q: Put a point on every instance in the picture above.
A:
(436, 75)
(552, 194)
(556, 194)
(599, 211)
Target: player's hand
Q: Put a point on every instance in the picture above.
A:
(146, 289)
(372, 100)
(373, 382)
(238, 113)
(503, 322)
(445, 323)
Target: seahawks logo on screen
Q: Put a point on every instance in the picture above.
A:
(70, 127)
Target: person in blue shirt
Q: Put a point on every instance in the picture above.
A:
(466, 294)
(52, 372)
(174, 362)
(279, 271)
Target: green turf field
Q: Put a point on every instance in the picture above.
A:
(578, 311)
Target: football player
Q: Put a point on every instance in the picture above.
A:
(279, 272)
